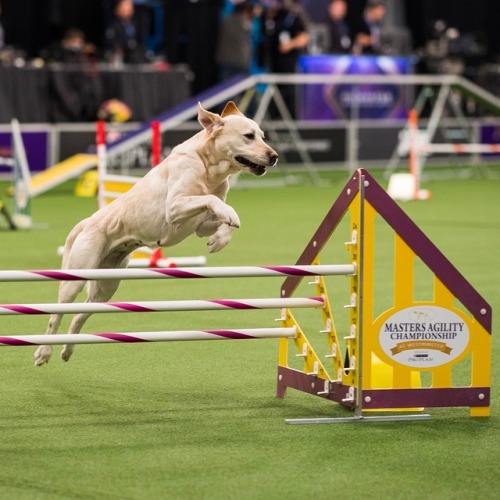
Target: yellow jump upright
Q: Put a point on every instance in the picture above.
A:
(427, 344)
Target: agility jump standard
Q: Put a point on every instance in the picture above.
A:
(448, 330)
(376, 363)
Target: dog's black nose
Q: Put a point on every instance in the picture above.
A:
(273, 158)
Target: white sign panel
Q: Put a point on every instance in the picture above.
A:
(424, 336)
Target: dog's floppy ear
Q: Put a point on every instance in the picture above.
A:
(231, 109)
(211, 122)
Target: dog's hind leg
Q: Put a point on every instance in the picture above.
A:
(68, 290)
(81, 249)
(98, 291)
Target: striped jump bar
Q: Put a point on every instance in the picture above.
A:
(460, 148)
(176, 273)
(165, 336)
(160, 306)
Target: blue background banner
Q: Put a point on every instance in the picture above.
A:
(37, 149)
(334, 102)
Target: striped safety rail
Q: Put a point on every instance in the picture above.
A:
(160, 306)
(176, 273)
(165, 336)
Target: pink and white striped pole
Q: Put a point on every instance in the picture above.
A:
(179, 273)
(160, 306)
(134, 337)
(461, 148)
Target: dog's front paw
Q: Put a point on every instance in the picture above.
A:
(233, 219)
(227, 215)
(220, 238)
(43, 354)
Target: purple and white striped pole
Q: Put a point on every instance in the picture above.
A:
(159, 306)
(134, 337)
(176, 273)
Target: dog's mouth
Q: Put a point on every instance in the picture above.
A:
(255, 168)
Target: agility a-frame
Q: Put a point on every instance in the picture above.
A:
(422, 344)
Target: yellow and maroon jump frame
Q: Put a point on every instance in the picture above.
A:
(410, 338)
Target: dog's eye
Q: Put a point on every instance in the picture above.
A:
(250, 136)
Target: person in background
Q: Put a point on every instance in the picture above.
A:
(316, 10)
(234, 48)
(72, 48)
(285, 38)
(2, 34)
(191, 32)
(76, 94)
(367, 38)
(339, 34)
(122, 39)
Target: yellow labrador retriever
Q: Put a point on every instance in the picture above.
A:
(184, 194)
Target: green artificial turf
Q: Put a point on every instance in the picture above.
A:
(200, 420)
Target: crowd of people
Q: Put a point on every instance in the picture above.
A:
(234, 37)
(249, 34)
(270, 35)
(123, 41)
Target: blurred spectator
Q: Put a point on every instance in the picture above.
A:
(367, 38)
(2, 35)
(234, 43)
(285, 37)
(73, 48)
(338, 29)
(316, 10)
(191, 32)
(122, 39)
(75, 88)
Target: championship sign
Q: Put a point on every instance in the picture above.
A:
(424, 336)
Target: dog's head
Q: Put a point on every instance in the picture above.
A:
(237, 139)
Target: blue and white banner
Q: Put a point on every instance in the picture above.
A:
(348, 101)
